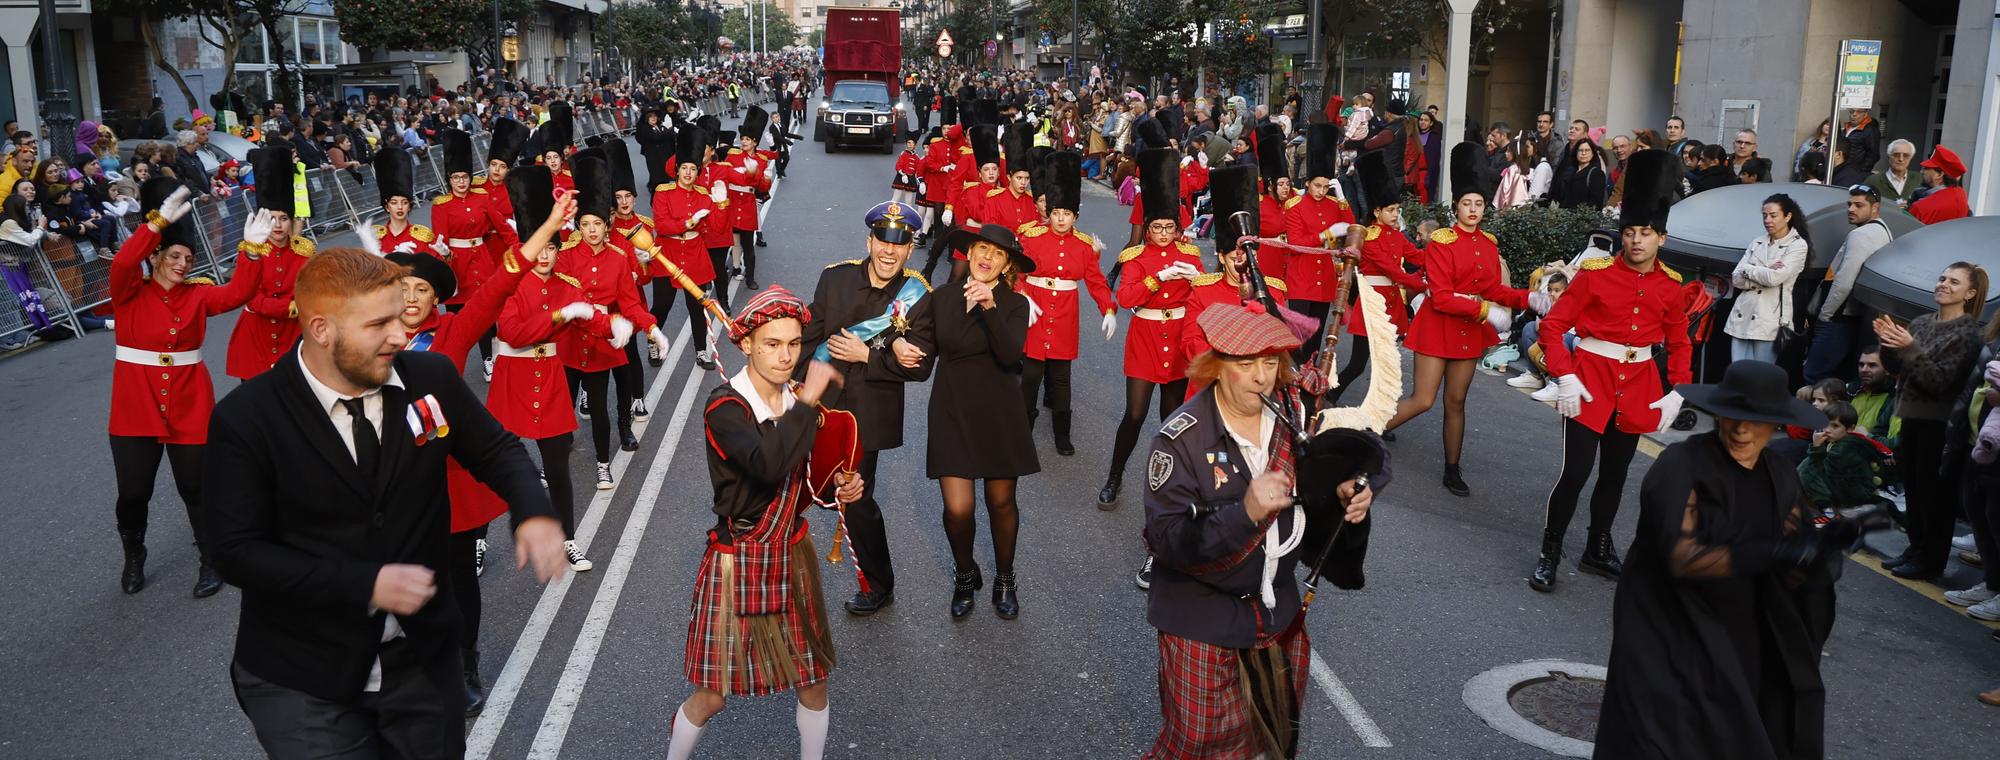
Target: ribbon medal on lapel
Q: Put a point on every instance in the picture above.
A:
(426, 418)
(899, 317)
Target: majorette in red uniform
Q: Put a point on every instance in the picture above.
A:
(635, 232)
(601, 262)
(474, 230)
(680, 210)
(1012, 205)
(1064, 258)
(716, 232)
(907, 184)
(161, 395)
(936, 172)
(394, 170)
(1609, 388)
(1384, 250)
(269, 325)
(509, 138)
(1468, 294)
(1316, 218)
(1234, 189)
(1268, 143)
(749, 181)
(558, 138)
(1162, 273)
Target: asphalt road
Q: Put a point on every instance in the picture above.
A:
(590, 667)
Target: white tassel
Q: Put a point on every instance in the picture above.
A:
(1275, 549)
(1385, 371)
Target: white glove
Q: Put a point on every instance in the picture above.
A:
(1540, 302)
(658, 338)
(1500, 317)
(443, 251)
(576, 310)
(749, 164)
(1110, 325)
(256, 231)
(512, 226)
(621, 331)
(1570, 395)
(176, 205)
(698, 216)
(1670, 407)
(1185, 160)
(1337, 231)
(407, 246)
(1034, 312)
(946, 219)
(720, 190)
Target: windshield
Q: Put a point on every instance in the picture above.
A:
(859, 93)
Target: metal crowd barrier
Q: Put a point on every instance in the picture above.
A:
(48, 283)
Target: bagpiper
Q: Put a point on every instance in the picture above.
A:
(597, 258)
(1386, 253)
(1064, 257)
(680, 210)
(1234, 197)
(269, 324)
(1608, 390)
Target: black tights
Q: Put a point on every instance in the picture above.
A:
(1357, 363)
(747, 240)
(718, 260)
(1139, 395)
(631, 379)
(555, 469)
(663, 305)
(1055, 394)
(1612, 450)
(135, 460)
(593, 384)
(1002, 515)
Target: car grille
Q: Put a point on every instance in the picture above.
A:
(858, 119)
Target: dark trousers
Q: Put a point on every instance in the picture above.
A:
(865, 529)
(1931, 504)
(631, 379)
(1836, 345)
(923, 118)
(1612, 451)
(465, 585)
(135, 460)
(1357, 362)
(594, 384)
(747, 240)
(1049, 379)
(663, 304)
(419, 713)
(718, 259)
(938, 248)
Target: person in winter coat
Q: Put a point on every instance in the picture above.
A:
(1764, 280)
(1836, 472)
(1582, 181)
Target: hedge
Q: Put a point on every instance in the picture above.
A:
(1530, 236)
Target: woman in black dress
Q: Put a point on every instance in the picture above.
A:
(980, 328)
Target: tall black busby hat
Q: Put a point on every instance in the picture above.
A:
(509, 136)
(1269, 143)
(1160, 184)
(559, 132)
(1322, 150)
(1152, 133)
(947, 110)
(593, 184)
(688, 142)
(1472, 173)
(1038, 162)
(724, 140)
(1380, 185)
(985, 139)
(989, 111)
(1063, 173)
(1232, 190)
(1652, 181)
(709, 123)
(457, 152)
(273, 166)
(154, 193)
(532, 189)
(398, 174)
(1015, 145)
(619, 158)
(755, 121)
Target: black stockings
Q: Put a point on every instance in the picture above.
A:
(1139, 395)
(1002, 515)
(594, 384)
(1612, 450)
(136, 462)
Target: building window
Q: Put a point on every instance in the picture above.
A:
(251, 48)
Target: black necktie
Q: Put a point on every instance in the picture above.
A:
(367, 447)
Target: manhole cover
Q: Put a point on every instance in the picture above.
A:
(1561, 703)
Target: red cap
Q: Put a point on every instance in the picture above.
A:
(1942, 159)
(1239, 331)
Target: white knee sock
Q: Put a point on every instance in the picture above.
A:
(812, 731)
(686, 735)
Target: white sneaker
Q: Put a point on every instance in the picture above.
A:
(705, 358)
(489, 369)
(1964, 543)
(639, 409)
(479, 558)
(1970, 596)
(1546, 394)
(654, 350)
(603, 476)
(577, 561)
(1526, 380)
(1987, 610)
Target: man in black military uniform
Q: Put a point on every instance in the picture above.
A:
(858, 310)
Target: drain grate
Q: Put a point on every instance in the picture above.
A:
(1562, 703)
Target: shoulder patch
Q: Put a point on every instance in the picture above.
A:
(1274, 282)
(573, 282)
(661, 188)
(1032, 229)
(381, 231)
(198, 281)
(422, 234)
(843, 263)
(1374, 231)
(918, 276)
(572, 241)
(1178, 425)
(1445, 235)
(995, 191)
(479, 180)
(1130, 253)
(1670, 272)
(1595, 263)
(304, 247)
(1086, 238)
(1490, 238)
(968, 184)
(643, 219)
(1203, 280)
(1159, 467)
(1294, 201)
(701, 189)
(479, 190)
(442, 199)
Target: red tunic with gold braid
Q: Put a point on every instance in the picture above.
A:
(159, 390)
(1383, 251)
(717, 231)
(746, 181)
(936, 170)
(1061, 261)
(1312, 277)
(269, 324)
(1273, 262)
(1466, 279)
(678, 241)
(606, 279)
(529, 394)
(413, 238)
(1621, 311)
(638, 234)
(472, 229)
(1153, 350)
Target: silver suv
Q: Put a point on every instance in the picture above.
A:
(859, 112)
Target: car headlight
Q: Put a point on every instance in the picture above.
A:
(831, 116)
(881, 118)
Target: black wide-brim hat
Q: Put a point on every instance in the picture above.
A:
(430, 269)
(961, 239)
(1754, 391)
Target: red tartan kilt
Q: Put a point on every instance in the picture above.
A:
(719, 654)
(1204, 715)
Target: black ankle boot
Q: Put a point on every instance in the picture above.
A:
(1107, 497)
(962, 589)
(1544, 578)
(475, 690)
(1004, 603)
(1455, 482)
(208, 582)
(627, 441)
(1060, 422)
(1600, 558)
(133, 577)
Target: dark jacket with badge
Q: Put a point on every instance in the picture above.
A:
(1204, 586)
(872, 391)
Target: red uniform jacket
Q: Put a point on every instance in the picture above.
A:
(679, 242)
(1613, 302)
(1061, 261)
(453, 336)
(1153, 350)
(166, 401)
(1194, 179)
(564, 180)
(1383, 251)
(472, 228)
(417, 236)
(1003, 207)
(744, 185)
(529, 394)
(1211, 289)
(269, 324)
(718, 230)
(1312, 277)
(605, 277)
(1273, 262)
(937, 169)
(1463, 270)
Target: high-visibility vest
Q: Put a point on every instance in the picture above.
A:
(301, 202)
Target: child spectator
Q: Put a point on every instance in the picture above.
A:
(1554, 284)
(1836, 472)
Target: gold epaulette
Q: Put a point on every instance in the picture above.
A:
(1343, 204)
(1032, 229)
(966, 185)
(1188, 248)
(1490, 238)
(647, 220)
(446, 198)
(1274, 282)
(573, 282)
(479, 180)
(198, 281)
(918, 276)
(422, 234)
(995, 191)
(1445, 235)
(254, 249)
(1203, 280)
(1130, 253)
(1595, 263)
(1669, 270)
(511, 262)
(1085, 237)
(574, 240)
(839, 263)
(701, 189)
(1294, 201)
(735, 151)
(965, 149)
(304, 247)
(1374, 231)
(381, 231)
(662, 187)
(479, 190)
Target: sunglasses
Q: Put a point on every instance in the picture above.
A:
(1872, 193)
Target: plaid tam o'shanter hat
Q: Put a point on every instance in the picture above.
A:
(1245, 330)
(770, 304)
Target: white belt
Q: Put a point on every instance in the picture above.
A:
(1618, 352)
(1161, 315)
(1051, 283)
(740, 189)
(1379, 281)
(465, 242)
(158, 358)
(537, 351)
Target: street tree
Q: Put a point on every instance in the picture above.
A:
(770, 20)
(972, 24)
(148, 13)
(442, 25)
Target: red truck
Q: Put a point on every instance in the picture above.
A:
(860, 63)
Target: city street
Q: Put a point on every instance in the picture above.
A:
(590, 666)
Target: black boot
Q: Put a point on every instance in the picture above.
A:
(962, 588)
(1455, 482)
(475, 691)
(1004, 603)
(627, 441)
(1060, 421)
(1599, 558)
(133, 577)
(760, 241)
(1107, 497)
(208, 582)
(1544, 578)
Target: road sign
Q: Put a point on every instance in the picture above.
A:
(944, 39)
(510, 49)
(1859, 61)
(992, 48)
(944, 50)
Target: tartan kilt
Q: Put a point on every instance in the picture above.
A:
(1204, 710)
(757, 655)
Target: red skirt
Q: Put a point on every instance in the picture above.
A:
(1204, 712)
(757, 655)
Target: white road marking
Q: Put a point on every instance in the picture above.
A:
(1350, 708)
